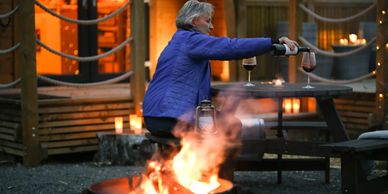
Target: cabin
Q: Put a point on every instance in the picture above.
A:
(69, 68)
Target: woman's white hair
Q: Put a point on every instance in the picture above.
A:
(191, 10)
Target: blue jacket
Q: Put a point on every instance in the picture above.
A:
(182, 76)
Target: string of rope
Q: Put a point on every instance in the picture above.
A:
(11, 84)
(8, 50)
(83, 22)
(333, 54)
(336, 20)
(85, 59)
(332, 81)
(9, 14)
(72, 84)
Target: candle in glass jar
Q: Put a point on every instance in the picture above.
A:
(277, 82)
(119, 125)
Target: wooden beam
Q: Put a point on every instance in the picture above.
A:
(230, 19)
(241, 33)
(311, 6)
(382, 62)
(295, 26)
(138, 53)
(25, 32)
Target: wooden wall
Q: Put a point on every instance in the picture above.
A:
(262, 16)
(7, 70)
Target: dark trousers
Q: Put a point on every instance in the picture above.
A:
(160, 126)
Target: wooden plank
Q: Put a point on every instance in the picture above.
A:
(137, 53)
(81, 142)
(72, 150)
(12, 151)
(295, 20)
(9, 124)
(12, 144)
(7, 137)
(354, 108)
(78, 122)
(93, 127)
(8, 117)
(241, 28)
(95, 114)
(84, 108)
(230, 17)
(25, 33)
(382, 62)
(354, 114)
(8, 131)
(70, 136)
(355, 102)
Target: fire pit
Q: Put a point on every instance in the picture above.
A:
(128, 185)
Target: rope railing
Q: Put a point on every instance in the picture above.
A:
(332, 81)
(11, 84)
(10, 13)
(85, 59)
(8, 50)
(333, 54)
(336, 20)
(72, 84)
(83, 22)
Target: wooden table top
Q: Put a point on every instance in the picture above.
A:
(287, 90)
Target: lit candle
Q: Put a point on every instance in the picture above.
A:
(295, 105)
(287, 105)
(138, 126)
(132, 121)
(353, 38)
(119, 125)
(278, 82)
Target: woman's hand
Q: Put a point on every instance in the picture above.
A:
(290, 43)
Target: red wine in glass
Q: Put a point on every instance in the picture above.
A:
(249, 64)
(308, 67)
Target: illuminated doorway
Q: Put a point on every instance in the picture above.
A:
(83, 40)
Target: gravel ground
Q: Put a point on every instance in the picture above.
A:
(71, 174)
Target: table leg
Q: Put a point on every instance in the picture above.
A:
(280, 134)
(334, 123)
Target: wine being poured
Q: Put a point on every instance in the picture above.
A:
(308, 65)
(249, 64)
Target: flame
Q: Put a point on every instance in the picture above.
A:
(190, 168)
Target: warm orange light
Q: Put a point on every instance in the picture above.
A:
(278, 82)
(381, 95)
(119, 125)
(378, 64)
(383, 12)
(295, 105)
(135, 123)
(343, 41)
(287, 105)
(353, 38)
(363, 41)
(386, 46)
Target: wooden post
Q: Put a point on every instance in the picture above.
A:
(230, 17)
(382, 62)
(295, 26)
(241, 32)
(137, 53)
(311, 6)
(25, 33)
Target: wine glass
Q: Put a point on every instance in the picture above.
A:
(249, 64)
(308, 65)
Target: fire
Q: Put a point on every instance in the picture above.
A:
(189, 168)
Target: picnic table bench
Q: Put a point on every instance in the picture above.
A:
(353, 179)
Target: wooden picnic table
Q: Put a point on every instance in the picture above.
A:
(324, 95)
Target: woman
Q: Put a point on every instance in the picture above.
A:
(182, 76)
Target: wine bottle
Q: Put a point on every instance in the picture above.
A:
(284, 50)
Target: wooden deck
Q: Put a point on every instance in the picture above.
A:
(69, 117)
